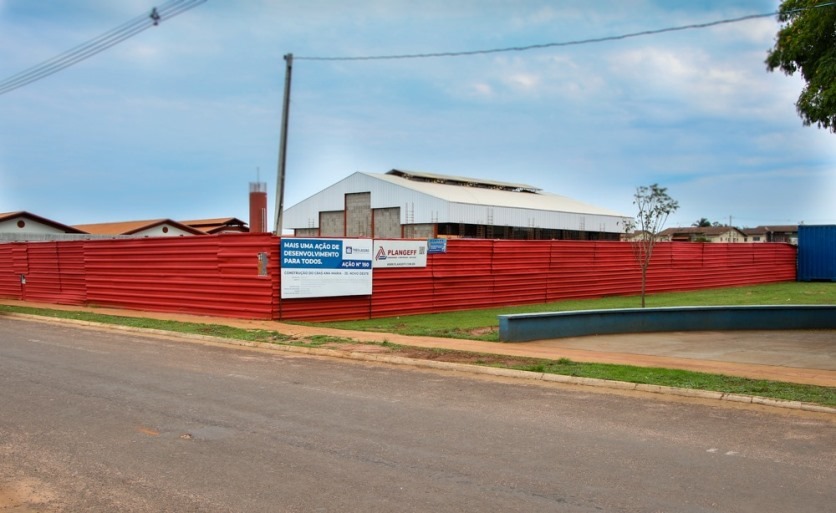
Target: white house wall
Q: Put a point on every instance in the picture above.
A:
(157, 231)
(30, 226)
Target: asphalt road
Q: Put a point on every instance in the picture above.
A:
(102, 421)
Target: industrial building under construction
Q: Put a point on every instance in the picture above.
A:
(406, 204)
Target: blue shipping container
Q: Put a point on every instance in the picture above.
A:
(817, 253)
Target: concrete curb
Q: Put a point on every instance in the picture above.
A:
(525, 327)
(452, 366)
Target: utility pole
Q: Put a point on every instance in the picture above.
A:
(277, 230)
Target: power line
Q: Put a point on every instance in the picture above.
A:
(169, 9)
(557, 44)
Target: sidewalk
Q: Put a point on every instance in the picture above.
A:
(803, 356)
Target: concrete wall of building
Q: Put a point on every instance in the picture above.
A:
(387, 223)
(419, 231)
(358, 214)
(306, 232)
(332, 224)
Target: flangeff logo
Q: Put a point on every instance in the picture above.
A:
(383, 253)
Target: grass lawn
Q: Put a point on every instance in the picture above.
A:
(484, 324)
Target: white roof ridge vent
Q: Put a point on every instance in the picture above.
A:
(461, 181)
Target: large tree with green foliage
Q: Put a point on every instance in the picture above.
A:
(654, 206)
(806, 43)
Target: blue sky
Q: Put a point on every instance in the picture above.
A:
(176, 121)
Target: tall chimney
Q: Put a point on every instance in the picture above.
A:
(258, 207)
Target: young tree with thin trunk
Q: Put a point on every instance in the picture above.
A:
(654, 206)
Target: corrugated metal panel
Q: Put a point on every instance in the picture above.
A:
(43, 281)
(326, 308)
(218, 275)
(402, 291)
(9, 277)
(725, 265)
(180, 275)
(573, 273)
(56, 272)
(715, 255)
(615, 271)
(462, 277)
(464, 257)
(521, 257)
(239, 267)
(463, 293)
(521, 271)
(20, 258)
(687, 255)
(72, 274)
(817, 252)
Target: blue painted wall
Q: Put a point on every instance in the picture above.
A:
(817, 253)
(537, 326)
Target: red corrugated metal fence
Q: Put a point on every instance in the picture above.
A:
(219, 275)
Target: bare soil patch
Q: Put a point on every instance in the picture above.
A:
(441, 355)
(27, 496)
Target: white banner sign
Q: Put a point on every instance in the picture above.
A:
(325, 267)
(400, 253)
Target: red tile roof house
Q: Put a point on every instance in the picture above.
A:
(219, 225)
(22, 225)
(785, 233)
(703, 234)
(147, 228)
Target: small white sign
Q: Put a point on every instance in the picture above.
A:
(400, 253)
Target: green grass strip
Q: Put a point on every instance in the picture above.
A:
(685, 379)
(483, 324)
(213, 330)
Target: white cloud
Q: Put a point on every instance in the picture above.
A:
(197, 101)
(538, 17)
(758, 32)
(482, 89)
(524, 81)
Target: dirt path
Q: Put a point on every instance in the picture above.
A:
(27, 495)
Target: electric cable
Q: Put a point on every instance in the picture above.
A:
(173, 8)
(169, 9)
(557, 44)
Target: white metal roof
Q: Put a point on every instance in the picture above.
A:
(439, 201)
(461, 180)
(496, 197)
